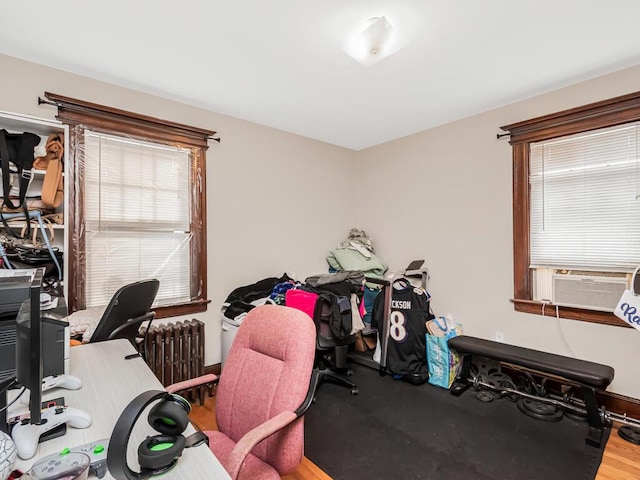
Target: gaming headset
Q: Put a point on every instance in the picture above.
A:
(159, 453)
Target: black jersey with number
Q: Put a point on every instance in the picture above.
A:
(406, 351)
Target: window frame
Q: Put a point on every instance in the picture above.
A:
(78, 115)
(593, 116)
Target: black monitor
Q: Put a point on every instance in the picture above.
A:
(29, 364)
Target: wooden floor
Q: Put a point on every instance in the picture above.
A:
(621, 460)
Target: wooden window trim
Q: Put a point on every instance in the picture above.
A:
(79, 114)
(606, 113)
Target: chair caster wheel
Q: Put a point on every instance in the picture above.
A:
(349, 373)
(354, 391)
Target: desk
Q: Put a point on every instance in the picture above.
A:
(109, 383)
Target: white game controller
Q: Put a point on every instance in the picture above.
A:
(26, 435)
(58, 381)
(96, 451)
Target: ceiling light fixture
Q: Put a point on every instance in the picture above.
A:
(376, 42)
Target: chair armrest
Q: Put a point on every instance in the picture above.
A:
(194, 382)
(132, 321)
(253, 437)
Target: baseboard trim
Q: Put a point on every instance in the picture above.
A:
(620, 404)
(215, 369)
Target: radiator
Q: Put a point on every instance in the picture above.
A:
(175, 352)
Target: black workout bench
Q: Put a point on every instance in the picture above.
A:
(588, 375)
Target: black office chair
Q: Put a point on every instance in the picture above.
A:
(128, 309)
(331, 351)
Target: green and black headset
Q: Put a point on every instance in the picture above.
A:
(157, 454)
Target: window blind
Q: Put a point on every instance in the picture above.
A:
(137, 217)
(585, 200)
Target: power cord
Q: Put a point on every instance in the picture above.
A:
(14, 400)
(562, 337)
(558, 326)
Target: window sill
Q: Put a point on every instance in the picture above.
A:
(593, 316)
(196, 306)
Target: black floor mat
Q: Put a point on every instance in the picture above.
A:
(394, 430)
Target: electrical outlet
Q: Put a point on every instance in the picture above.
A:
(500, 337)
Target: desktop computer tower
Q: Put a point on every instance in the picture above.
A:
(55, 347)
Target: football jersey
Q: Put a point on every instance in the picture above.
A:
(406, 351)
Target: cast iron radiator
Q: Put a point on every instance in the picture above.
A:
(175, 352)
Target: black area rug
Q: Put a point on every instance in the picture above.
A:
(394, 430)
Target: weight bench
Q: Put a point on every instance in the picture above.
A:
(588, 375)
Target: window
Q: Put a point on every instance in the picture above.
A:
(137, 206)
(585, 201)
(576, 207)
(136, 216)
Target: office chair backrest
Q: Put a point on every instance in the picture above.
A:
(128, 308)
(268, 371)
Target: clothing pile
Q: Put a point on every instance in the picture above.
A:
(357, 253)
(241, 300)
(334, 298)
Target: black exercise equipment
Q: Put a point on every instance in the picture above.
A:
(539, 410)
(630, 434)
(589, 376)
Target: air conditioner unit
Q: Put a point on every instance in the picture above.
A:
(590, 290)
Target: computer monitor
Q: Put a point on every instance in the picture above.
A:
(29, 363)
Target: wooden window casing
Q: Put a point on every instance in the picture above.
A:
(607, 113)
(79, 114)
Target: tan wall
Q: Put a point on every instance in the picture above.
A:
(275, 201)
(445, 195)
(278, 202)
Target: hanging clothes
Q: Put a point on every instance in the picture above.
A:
(406, 350)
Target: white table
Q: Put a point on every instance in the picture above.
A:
(109, 383)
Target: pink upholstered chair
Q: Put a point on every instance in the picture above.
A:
(262, 394)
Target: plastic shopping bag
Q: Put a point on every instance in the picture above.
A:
(442, 362)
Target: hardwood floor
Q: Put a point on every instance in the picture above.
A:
(621, 460)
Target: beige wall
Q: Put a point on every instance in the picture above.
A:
(445, 195)
(276, 202)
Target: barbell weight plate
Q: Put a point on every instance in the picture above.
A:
(486, 396)
(539, 410)
(573, 415)
(630, 434)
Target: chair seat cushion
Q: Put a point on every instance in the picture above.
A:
(253, 468)
(84, 322)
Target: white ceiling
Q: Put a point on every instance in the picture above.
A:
(280, 63)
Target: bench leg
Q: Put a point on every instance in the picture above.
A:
(596, 424)
(461, 382)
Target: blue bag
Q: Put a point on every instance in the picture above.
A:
(443, 363)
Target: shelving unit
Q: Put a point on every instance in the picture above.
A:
(17, 123)
(38, 217)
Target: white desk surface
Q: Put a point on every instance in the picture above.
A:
(109, 383)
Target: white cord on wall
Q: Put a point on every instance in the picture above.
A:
(562, 337)
(559, 328)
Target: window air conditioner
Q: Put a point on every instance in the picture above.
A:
(590, 290)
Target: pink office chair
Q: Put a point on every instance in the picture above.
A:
(262, 394)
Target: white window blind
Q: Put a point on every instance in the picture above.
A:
(585, 200)
(137, 217)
